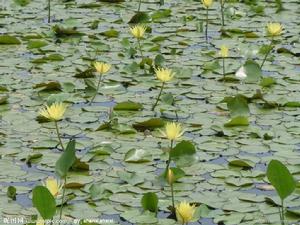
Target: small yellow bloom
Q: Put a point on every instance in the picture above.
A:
(185, 212)
(170, 177)
(164, 75)
(173, 131)
(54, 112)
(224, 51)
(274, 29)
(138, 31)
(207, 3)
(102, 67)
(53, 186)
(40, 221)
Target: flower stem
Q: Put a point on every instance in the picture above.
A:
(169, 159)
(206, 28)
(223, 68)
(141, 52)
(62, 198)
(172, 195)
(140, 2)
(222, 12)
(98, 85)
(58, 135)
(158, 97)
(49, 11)
(282, 215)
(268, 52)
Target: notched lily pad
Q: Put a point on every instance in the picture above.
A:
(137, 156)
(9, 40)
(149, 124)
(129, 106)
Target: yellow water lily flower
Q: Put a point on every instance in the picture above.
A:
(274, 29)
(224, 51)
(138, 31)
(53, 186)
(164, 75)
(102, 67)
(170, 177)
(207, 3)
(185, 212)
(173, 131)
(55, 112)
(40, 221)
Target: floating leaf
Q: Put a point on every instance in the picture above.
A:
(128, 105)
(150, 124)
(22, 2)
(150, 202)
(267, 82)
(36, 44)
(136, 156)
(241, 163)
(9, 40)
(3, 99)
(238, 105)
(253, 71)
(11, 192)
(140, 17)
(111, 33)
(65, 31)
(237, 121)
(183, 153)
(131, 178)
(50, 86)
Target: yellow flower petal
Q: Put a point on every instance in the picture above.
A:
(102, 67)
(164, 75)
(207, 3)
(138, 31)
(185, 212)
(173, 131)
(53, 186)
(54, 112)
(274, 29)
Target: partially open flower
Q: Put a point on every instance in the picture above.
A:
(207, 3)
(224, 51)
(53, 186)
(170, 177)
(55, 112)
